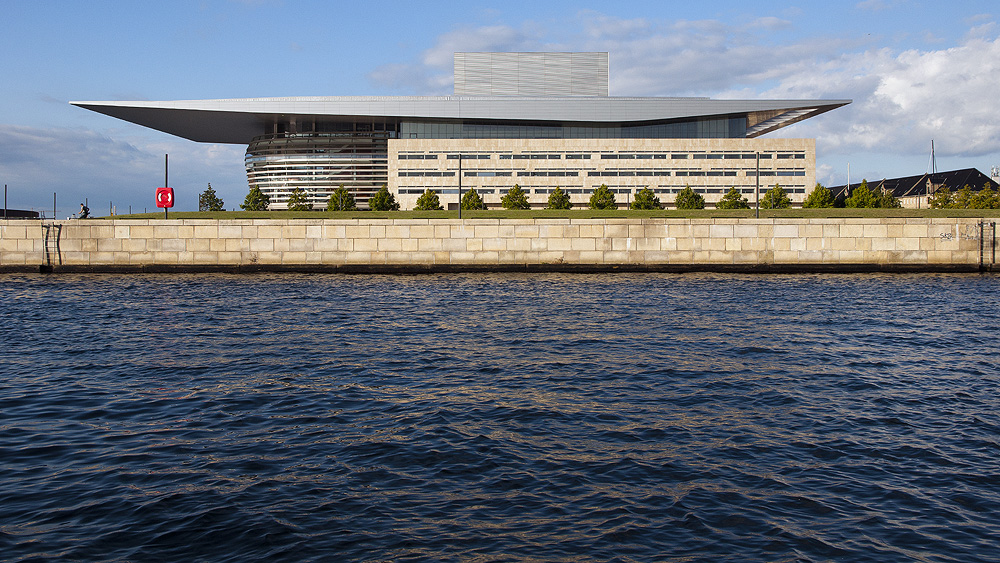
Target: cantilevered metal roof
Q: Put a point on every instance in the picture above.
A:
(239, 120)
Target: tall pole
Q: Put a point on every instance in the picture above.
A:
(5, 201)
(166, 183)
(459, 185)
(53, 205)
(756, 191)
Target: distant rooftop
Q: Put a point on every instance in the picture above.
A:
(925, 184)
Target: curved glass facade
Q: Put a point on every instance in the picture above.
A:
(318, 163)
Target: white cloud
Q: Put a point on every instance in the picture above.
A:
(37, 162)
(902, 99)
(433, 74)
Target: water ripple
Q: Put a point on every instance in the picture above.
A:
(551, 417)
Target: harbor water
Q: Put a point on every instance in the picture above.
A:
(514, 417)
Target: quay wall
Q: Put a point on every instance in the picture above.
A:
(537, 244)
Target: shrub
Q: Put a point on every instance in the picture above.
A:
(256, 200)
(775, 198)
(429, 201)
(646, 199)
(515, 198)
(888, 201)
(471, 200)
(733, 200)
(298, 200)
(689, 199)
(383, 200)
(965, 198)
(559, 199)
(862, 197)
(341, 200)
(208, 201)
(602, 198)
(821, 196)
(986, 199)
(941, 199)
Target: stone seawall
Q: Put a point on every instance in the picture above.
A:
(425, 245)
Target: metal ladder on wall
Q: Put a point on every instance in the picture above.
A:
(987, 245)
(50, 234)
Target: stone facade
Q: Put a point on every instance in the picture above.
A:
(578, 166)
(493, 244)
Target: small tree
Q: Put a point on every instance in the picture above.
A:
(515, 198)
(775, 198)
(471, 200)
(963, 198)
(298, 200)
(429, 201)
(689, 199)
(941, 199)
(986, 199)
(383, 200)
(559, 199)
(886, 200)
(821, 196)
(862, 197)
(646, 199)
(208, 201)
(256, 200)
(603, 198)
(733, 200)
(341, 200)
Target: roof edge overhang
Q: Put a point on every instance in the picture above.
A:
(237, 121)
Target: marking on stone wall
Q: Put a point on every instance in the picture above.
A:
(971, 232)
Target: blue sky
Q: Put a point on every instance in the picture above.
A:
(916, 71)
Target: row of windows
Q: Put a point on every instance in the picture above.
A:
(599, 173)
(427, 174)
(615, 156)
(617, 190)
(487, 174)
(530, 157)
(554, 173)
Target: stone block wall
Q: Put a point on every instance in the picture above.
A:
(492, 244)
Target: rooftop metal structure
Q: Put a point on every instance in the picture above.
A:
(238, 121)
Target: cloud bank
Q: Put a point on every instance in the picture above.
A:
(902, 99)
(79, 164)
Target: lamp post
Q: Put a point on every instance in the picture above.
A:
(460, 185)
(756, 191)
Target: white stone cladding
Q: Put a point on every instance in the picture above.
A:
(385, 244)
(492, 166)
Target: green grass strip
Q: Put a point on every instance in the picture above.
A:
(574, 214)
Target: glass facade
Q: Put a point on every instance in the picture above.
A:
(320, 156)
(717, 128)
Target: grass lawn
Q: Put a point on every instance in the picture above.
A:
(572, 213)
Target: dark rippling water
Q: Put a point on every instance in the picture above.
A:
(499, 418)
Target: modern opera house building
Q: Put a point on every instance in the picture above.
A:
(539, 120)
